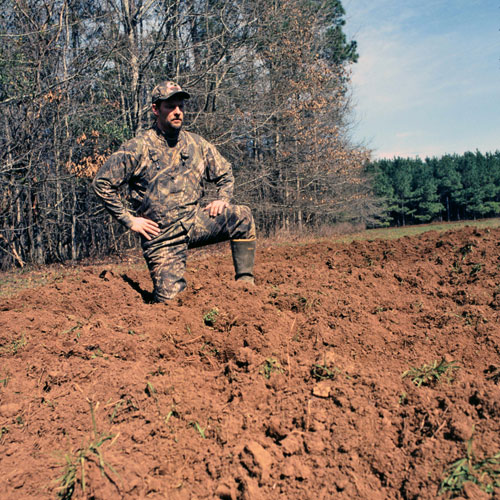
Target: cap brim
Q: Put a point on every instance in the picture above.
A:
(180, 94)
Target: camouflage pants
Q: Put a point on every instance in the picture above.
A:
(166, 254)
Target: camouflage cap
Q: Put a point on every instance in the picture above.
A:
(166, 90)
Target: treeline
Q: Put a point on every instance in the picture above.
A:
(270, 80)
(450, 188)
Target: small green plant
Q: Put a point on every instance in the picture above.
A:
(209, 348)
(73, 329)
(270, 365)
(199, 428)
(172, 413)
(323, 372)
(485, 473)
(74, 462)
(428, 374)
(403, 398)
(98, 354)
(5, 381)
(475, 269)
(210, 318)
(466, 250)
(15, 345)
(116, 408)
(3, 430)
(150, 389)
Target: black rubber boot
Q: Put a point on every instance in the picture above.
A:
(243, 258)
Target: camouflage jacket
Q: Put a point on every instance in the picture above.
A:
(165, 183)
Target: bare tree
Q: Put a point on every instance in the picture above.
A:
(269, 80)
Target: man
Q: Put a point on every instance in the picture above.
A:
(164, 168)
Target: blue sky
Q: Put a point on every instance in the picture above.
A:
(427, 81)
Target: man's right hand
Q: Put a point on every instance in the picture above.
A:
(146, 227)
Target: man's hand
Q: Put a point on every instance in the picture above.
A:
(216, 207)
(146, 227)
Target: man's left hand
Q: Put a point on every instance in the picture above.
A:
(216, 207)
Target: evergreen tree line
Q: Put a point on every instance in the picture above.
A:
(270, 87)
(450, 188)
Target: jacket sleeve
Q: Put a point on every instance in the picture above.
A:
(218, 170)
(114, 173)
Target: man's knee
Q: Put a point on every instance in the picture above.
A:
(243, 223)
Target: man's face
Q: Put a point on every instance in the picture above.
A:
(169, 114)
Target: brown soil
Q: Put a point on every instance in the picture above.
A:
(292, 389)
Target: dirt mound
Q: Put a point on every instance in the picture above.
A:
(292, 389)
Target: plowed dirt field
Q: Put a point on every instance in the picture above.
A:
(293, 389)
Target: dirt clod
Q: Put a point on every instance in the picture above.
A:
(256, 460)
(322, 389)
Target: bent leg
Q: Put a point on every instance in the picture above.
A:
(234, 223)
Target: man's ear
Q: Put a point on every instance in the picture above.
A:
(155, 108)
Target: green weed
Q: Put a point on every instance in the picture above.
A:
(209, 348)
(322, 372)
(98, 353)
(73, 329)
(466, 250)
(199, 428)
(403, 398)
(380, 309)
(485, 473)
(210, 318)
(170, 414)
(150, 389)
(4, 430)
(270, 365)
(5, 381)
(74, 463)
(15, 345)
(428, 374)
(476, 268)
(116, 408)
(49, 403)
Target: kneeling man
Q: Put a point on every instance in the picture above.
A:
(164, 168)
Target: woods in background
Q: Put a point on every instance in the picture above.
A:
(270, 84)
(450, 188)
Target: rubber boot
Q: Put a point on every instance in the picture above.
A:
(243, 258)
